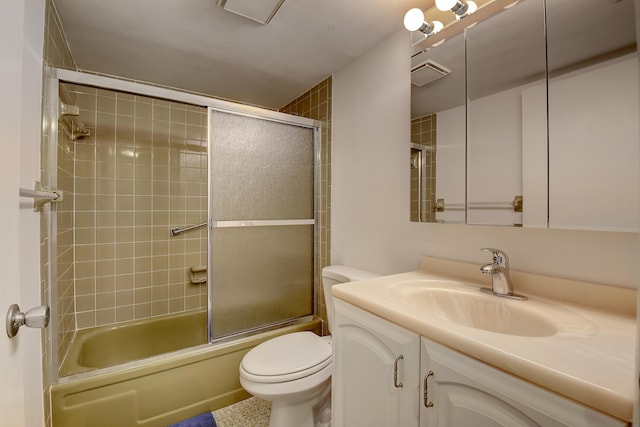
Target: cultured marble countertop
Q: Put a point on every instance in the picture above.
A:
(590, 359)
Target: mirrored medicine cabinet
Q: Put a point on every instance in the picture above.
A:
(528, 118)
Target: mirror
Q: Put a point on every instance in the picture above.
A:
(593, 115)
(499, 145)
(438, 131)
(505, 58)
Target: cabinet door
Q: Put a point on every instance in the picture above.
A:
(459, 391)
(376, 371)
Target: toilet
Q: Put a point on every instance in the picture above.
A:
(293, 371)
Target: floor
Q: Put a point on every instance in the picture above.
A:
(252, 412)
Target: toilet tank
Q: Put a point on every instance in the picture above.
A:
(335, 274)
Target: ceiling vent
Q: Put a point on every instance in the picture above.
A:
(427, 72)
(259, 11)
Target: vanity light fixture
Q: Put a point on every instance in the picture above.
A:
(460, 8)
(414, 21)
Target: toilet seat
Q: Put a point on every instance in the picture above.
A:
(286, 358)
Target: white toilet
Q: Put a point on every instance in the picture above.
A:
(293, 371)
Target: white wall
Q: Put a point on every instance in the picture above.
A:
(21, 43)
(370, 192)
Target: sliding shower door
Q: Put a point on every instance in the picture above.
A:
(262, 219)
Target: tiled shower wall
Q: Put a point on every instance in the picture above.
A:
(142, 171)
(423, 132)
(57, 54)
(316, 104)
(64, 248)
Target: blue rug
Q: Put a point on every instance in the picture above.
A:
(203, 420)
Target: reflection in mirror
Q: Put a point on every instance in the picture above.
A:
(505, 59)
(593, 115)
(438, 126)
(422, 178)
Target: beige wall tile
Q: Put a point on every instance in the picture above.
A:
(316, 104)
(124, 313)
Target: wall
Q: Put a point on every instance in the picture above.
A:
(55, 174)
(370, 187)
(21, 35)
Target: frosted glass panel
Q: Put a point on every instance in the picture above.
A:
(260, 169)
(261, 276)
(262, 272)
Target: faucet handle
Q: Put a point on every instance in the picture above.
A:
(499, 257)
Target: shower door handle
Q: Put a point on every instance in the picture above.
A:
(37, 317)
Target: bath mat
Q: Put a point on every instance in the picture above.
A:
(203, 420)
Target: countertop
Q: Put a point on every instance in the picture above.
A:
(590, 359)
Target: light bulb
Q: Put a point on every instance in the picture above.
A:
(437, 26)
(472, 7)
(413, 19)
(445, 4)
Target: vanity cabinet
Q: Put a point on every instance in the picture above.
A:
(376, 371)
(386, 375)
(459, 391)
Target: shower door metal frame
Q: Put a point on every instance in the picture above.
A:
(422, 167)
(274, 116)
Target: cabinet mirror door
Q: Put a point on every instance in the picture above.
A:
(546, 134)
(593, 115)
(438, 133)
(506, 65)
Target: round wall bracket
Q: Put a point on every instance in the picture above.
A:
(13, 322)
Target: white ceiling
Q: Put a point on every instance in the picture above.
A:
(197, 46)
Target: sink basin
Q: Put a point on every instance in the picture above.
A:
(470, 308)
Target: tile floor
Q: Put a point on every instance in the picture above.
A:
(252, 412)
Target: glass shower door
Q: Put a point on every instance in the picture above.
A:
(261, 255)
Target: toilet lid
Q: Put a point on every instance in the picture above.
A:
(287, 357)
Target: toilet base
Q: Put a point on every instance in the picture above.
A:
(311, 413)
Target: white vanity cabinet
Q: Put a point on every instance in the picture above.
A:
(386, 375)
(376, 371)
(458, 391)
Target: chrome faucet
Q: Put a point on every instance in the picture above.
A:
(500, 278)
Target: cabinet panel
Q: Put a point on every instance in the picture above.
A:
(464, 392)
(463, 405)
(376, 371)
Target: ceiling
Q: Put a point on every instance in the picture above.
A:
(197, 46)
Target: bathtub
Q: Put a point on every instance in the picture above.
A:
(123, 376)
